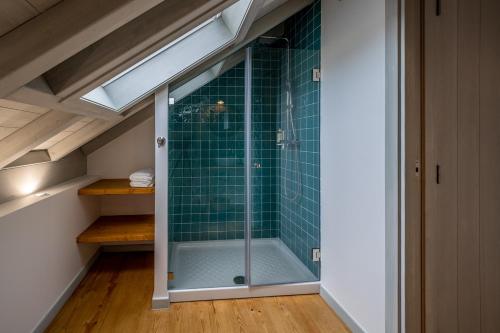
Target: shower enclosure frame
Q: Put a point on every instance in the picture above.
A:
(161, 295)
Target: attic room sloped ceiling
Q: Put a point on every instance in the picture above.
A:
(72, 122)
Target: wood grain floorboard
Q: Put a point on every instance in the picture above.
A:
(115, 296)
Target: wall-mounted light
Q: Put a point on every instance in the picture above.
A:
(30, 182)
(29, 185)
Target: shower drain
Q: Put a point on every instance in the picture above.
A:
(239, 279)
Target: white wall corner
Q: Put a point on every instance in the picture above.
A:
(392, 165)
(346, 317)
(65, 295)
(353, 159)
(26, 246)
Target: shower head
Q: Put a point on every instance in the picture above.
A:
(272, 41)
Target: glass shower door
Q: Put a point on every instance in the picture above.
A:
(284, 134)
(206, 192)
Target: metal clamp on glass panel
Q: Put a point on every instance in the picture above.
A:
(161, 141)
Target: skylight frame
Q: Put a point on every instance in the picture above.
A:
(161, 50)
(141, 79)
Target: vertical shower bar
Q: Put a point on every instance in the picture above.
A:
(248, 161)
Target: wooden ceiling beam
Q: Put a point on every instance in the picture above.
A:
(37, 92)
(130, 44)
(96, 128)
(59, 33)
(79, 138)
(33, 134)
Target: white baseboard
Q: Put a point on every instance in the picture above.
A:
(350, 322)
(65, 295)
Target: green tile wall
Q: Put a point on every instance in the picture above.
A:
(266, 73)
(300, 219)
(206, 159)
(206, 150)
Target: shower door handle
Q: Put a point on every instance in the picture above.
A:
(160, 141)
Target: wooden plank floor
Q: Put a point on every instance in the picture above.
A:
(116, 297)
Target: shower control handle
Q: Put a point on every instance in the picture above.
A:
(160, 141)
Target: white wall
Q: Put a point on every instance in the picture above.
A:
(353, 159)
(39, 256)
(129, 152)
(120, 157)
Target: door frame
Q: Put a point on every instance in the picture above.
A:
(415, 166)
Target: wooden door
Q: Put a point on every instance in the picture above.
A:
(461, 183)
(489, 165)
(440, 182)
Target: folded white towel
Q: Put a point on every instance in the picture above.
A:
(142, 184)
(141, 179)
(147, 175)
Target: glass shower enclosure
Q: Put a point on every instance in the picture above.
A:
(243, 175)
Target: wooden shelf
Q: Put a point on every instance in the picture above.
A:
(122, 229)
(114, 187)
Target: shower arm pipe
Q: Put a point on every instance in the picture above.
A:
(276, 38)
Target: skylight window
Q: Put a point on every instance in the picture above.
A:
(172, 60)
(189, 33)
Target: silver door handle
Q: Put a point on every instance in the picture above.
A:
(161, 141)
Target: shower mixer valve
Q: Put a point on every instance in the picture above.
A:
(283, 142)
(280, 138)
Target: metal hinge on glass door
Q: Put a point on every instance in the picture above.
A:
(316, 75)
(160, 141)
(316, 254)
